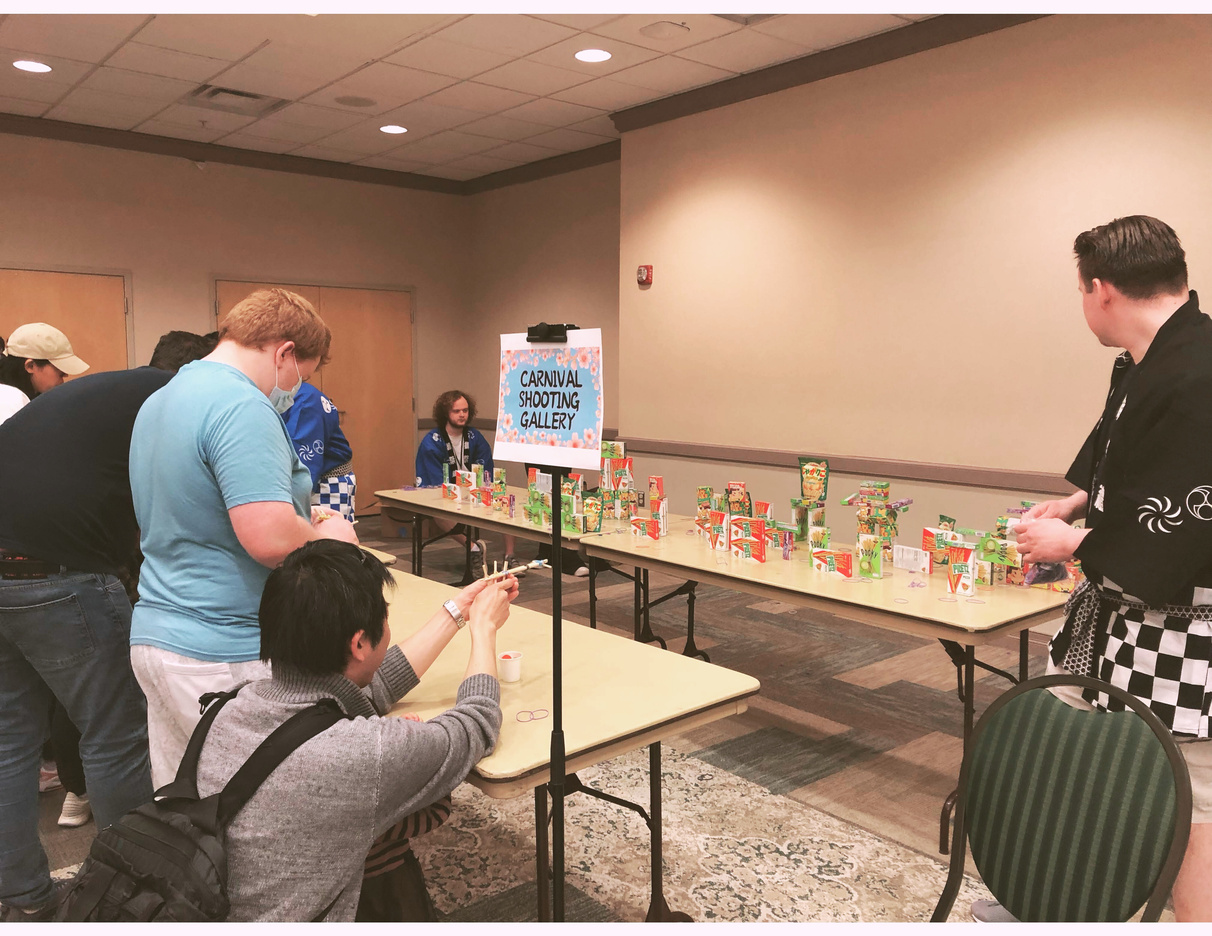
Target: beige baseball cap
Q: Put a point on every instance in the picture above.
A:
(45, 342)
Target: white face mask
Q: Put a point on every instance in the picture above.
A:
(283, 400)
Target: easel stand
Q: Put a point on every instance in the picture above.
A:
(556, 783)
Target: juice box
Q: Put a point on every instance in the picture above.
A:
(839, 562)
(814, 479)
(870, 556)
(720, 528)
(646, 527)
(961, 574)
(593, 514)
(612, 450)
(656, 487)
(912, 560)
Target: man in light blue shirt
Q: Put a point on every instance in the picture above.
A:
(221, 498)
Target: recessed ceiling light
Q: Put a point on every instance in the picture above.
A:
(394, 128)
(39, 67)
(592, 55)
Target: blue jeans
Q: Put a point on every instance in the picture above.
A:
(67, 634)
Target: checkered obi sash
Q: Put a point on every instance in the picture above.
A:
(1159, 653)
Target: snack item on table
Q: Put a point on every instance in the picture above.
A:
(659, 511)
(702, 512)
(739, 503)
(747, 538)
(612, 450)
(484, 496)
(450, 491)
(818, 537)
(593, 514)
(837, 561)
(961, 575)
(814, 480)
(649, 528)
(870, 556)
(720, 529)
(912, 560)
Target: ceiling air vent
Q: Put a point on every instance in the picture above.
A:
(231, 101)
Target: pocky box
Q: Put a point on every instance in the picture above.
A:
(593, 514)
(747, 528)
(814, 480)
(818, 537)
(870, 556)
(478, 470)
(718, 533)
(961, 572)
(570, 515)
(998, 551)
(984, 573)
(837, 562)
(754, 550)
(446, 472)
(612, 450)
(498, 480)
(799, 517)
(765, 511)
(702, 511)
(911, 560)
(646, 527)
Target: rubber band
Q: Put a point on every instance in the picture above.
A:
(901, 600)
(975, 600)
(531, 715)
(949, 599)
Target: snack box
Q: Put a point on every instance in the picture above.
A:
(593, 514)
(936, 540)
(616, 474)
(512, 505)
(799, 517)
(613, 450)
(984, 573)
(818, 537)
(840, 562)
(478, 470)
(532, 478)
(747, 528)
(788, 543)
(498, 480)
(961, 572)
(464, 482)
(912, 560)
(646, 527)
(739, 503)
(754, 550)
(702, 512)
(630, 504)
(718, 535)
(445, 472)
(656, 487)
(483, 496)
(659, 510)
(500, 502)
(870, 556)
(450, 491)
(998, 551)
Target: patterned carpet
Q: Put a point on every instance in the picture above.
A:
(819, 803)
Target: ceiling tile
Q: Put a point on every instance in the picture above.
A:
(482, 164)
(448, 145)
(522, 152)
(387, 161)
(10, 105)
(532, 77)
(136, 84)
(606, 94)
(180, 132)
(187, 116)
(552, 113)
(509, 34)
(916, 17)
(341, 35)
(109, 103)
(423, 118)
(450, 172)
(262, 144)
(292, 134)
(92, 117)
(670, 74)
(27, 87)
(86, 37)
(365, 139)
(622, 55)
(151, 60)
(484, 99)
(700, 28)
(326, 64)
(504, 128)
(578, 20)
(388, 85)
(447, 58)
(602, 126)
(743, 51)
(273, 83)
(65, 71)
(308, 116)
(816, 31)
(319, 151)
(567, 140)
(200, 34)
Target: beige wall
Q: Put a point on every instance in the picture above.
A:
(880, 263)
(545, 251)
(176, 229)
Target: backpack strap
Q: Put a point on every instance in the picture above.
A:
(185, 786)
(291, 734)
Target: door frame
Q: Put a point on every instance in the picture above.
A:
(128, 293)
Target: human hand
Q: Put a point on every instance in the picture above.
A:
(1050, 539)
(411, 716)
(467, 596)
(1045, 510)
(320, 513)
(337, 528)
(490, 609)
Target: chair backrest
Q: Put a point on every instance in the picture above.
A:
(1073, 815)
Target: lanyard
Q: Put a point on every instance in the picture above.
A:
(455, 463)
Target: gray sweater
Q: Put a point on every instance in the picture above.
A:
(300, 842)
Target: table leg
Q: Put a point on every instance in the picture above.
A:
(1024, 645)
(691, 650)
(643, 626)
(540, 853)
(418, 541)
(593, 594)
(639, 603)
(658, 909)
(968, 685)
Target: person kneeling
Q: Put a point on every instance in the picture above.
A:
(297, 850)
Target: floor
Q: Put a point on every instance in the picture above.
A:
(839, 766)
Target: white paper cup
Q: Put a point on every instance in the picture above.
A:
(509, 665)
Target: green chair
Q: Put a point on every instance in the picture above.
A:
(1071, 815)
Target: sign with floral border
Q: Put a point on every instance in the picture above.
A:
(549, 411)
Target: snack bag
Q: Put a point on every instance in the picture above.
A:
(646, 528)
(593, 514)
(814, 480)
(720, 529)
(961, 575)
(945, 522)
(870, 556)
(839, 562)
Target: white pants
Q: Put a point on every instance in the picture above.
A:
(172, 684)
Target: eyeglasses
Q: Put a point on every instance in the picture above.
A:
(532, 715)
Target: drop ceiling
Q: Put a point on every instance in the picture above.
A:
(478, 93)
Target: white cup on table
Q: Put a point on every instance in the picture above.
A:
(509, 665)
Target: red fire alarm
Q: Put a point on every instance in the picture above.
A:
(643, 275)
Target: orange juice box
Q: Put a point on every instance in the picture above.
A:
(646, 528)
(912, 560)
(839, 562)
(593, 514)
(720, 528)
(961, 573)
(870, 556)
(612, 450)
(656, 487)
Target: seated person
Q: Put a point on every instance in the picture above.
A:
(453, 442)
(297, 849)
(315, 426)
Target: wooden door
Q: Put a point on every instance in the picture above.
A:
(89, 308)
(370, 380)
(369, 377)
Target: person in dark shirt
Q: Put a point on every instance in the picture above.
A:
(66, 542)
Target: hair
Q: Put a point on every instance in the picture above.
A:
(13, 372)
(314, 603)
(1138, 255)
(442, 405)
(177, 348)
(270, 315)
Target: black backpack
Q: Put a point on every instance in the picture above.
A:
(165, 861)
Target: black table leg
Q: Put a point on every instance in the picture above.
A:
(643, 625)
(418, 541)
(1024, 646)
(658, 909)
(637, 611)
(542, 871)
(593, 594)
(691, 650)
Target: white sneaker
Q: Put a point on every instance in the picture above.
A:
(76, 811)
(582, 572)
(48, 777)
(990, 911)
